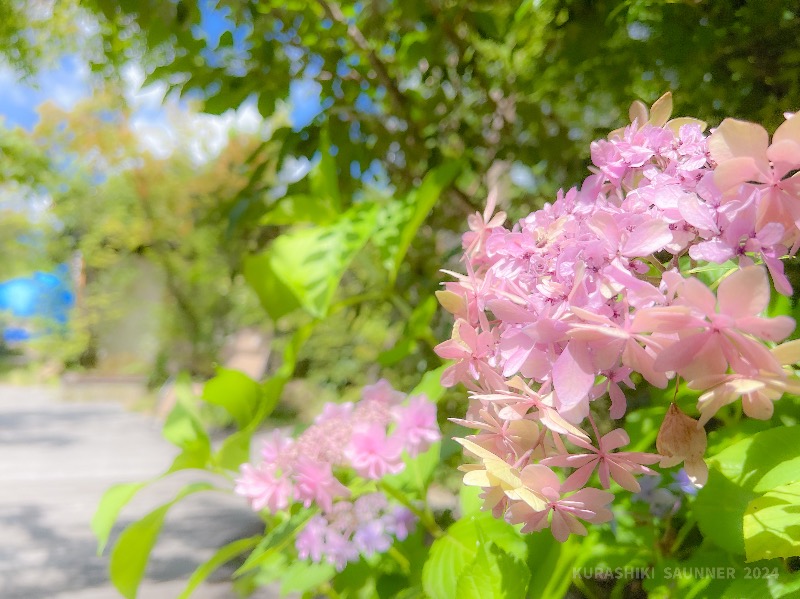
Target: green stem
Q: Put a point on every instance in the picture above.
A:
(716, 283)
(425, 516)
(401, 305)
(354, 300)
(401, 559)
(328, 589)
(681, 536)
(655, 263)
(583, 588)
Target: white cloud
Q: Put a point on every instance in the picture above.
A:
(164, 124)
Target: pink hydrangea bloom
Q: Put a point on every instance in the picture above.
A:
(264, 487)
(563, 512)
(725, 331)
(314, 482)
(416, 425)
(618, 465)
(366, 526)
(368, 438)
(382, 392)
(275, 445)
(568, 306)
(372, 453)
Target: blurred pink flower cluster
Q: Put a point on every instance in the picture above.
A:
(559, 310)
(369, 438)
(365, 526)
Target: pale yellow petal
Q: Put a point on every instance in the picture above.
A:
(476, 449)
(536, 502)
(675, 124)
(452, 302)
(735, 138)
(661, 110)
(477, 478)
(787, 353)
(638, 112)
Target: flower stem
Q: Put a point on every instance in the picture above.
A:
(401, 559)
(425, 516)
(683, 532)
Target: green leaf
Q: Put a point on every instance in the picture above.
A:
(738, 475)
(236, 392)
(719, 508)
(304, 576)
(551, 562)
(275, 296)
(493, 573)
(324, 179)
(222, 556)
(417, 328)
(234, 450)
(772, 524)
(273, 386)
(772, 582)
(396, 586)
(404, 347)
(276, 540)
(392, 217)
(110, 506)
(132, 550)
(310, 262)
(300, 208)
(431, 385)
(418, 472)
(451, 554)
(469, 501)
(184, 429)
(423, 201)
(765, 460)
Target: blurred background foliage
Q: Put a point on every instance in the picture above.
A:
(361, 102)
(411, 111)
(376, 128)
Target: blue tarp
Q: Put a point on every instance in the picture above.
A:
(42, 295)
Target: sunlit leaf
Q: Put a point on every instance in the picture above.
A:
(132, 550)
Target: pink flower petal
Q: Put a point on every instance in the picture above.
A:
(680, 353)
(573, 375)
(744, 293)
(614, 440)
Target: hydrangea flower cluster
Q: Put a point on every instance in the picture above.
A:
(665, 500)
(369, 438)
(561, 309)
(365, 526)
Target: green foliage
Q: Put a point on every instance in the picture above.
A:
(236, 392)
(132, 549)
(248, 403)
(522, 81)
(302, 577)
(418, 473)
(221, 557)
(276, 540)
(114, 499)
(772, 524)
(742, 474)
(493, 573)
(184, 429)
(308, 263)
(421, 202)
(465, 547)
(447, 100)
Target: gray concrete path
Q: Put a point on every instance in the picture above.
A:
(56, 460)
